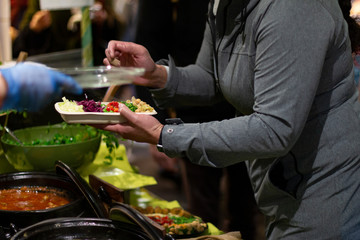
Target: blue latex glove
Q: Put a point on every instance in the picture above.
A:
(32, 86)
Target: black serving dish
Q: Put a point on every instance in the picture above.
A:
(77, 206)
(82, 228)
(89, 216)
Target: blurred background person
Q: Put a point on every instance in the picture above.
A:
(43, 31)
(128, 9)
(106, 25)
(18, 8)
(354, 23)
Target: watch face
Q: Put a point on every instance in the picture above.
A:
(160, 147)
(173, 121)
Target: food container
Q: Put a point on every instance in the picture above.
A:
(43, 157)
(128, 224)
(84, 228)
(94, 117)
(120, 221)
(77, 206)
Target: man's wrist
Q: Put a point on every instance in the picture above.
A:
(169, 121)
(160, 76)
(159, 144)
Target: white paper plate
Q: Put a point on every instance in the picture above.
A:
(93, 117)
(102, 76)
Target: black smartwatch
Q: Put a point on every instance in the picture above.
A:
(169, 121)
(159, 145)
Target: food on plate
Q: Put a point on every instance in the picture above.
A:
(176, 221)
(92, 112)
(134, 104)
(90, 106)
(141, 106)
(32, 198)
(70, 106)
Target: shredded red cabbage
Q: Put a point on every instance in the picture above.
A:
(91, 106)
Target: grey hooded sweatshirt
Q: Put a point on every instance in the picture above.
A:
(286, 66)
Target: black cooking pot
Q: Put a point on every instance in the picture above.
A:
(120, 221)
(77, 207)
(124, 223)
(82, 228)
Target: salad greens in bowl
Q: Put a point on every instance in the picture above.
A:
(74, 145)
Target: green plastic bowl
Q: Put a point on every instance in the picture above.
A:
(43, 157)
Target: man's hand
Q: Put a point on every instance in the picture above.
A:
(138, 127)
(127, 54)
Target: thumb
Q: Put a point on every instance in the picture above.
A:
(126, 113)
(130, 48)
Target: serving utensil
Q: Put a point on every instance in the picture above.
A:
(22, 57)
(13, 135)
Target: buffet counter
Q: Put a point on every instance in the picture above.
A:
(123, 177)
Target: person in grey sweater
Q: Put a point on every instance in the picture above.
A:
(286, 67)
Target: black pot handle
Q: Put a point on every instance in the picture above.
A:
(3, 234)
(93, 200)
(153, 229)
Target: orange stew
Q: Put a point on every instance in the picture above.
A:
(31, 198)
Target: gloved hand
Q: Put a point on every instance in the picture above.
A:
(32, 86)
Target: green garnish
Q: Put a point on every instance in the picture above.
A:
(180, 220)
(130, 105)
(112, 143)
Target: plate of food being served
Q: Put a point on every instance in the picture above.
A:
(97, 112)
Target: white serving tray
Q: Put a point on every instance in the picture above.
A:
(93, 117)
